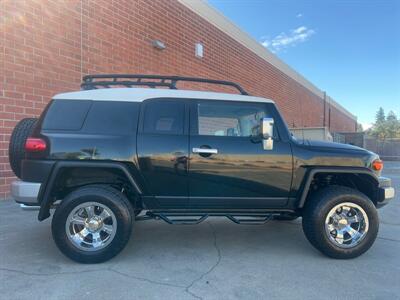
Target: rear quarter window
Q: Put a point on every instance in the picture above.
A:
(66, 114)
(92, 117)
(116, 118)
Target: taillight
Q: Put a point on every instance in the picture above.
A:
(35, 145)
(377, 165)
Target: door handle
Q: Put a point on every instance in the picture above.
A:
(205, 151)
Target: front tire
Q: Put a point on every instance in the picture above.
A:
(92, 224)
(340, 222)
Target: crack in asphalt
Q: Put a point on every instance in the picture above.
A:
(95, 270)
(146, 279)
(90, 271)
(388, 239)
(212, 268)
(111, 269)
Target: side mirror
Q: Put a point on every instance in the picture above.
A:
(267, 132)
(267, 127)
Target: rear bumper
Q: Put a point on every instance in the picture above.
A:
(385, 192)
(25, 192)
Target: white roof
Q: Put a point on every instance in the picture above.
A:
(141, 94)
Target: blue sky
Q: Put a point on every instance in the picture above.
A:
(350, 49)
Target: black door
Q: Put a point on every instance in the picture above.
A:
(162, 147)
(229, 167)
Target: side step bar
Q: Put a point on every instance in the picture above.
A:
(196, 218)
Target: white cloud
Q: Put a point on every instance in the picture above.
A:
(299, 15)
(266, 43)
(300, 30)
(285, 40)
(366, 125)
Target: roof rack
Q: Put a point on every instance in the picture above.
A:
(91, 82)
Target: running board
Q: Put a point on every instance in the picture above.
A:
(196, 218)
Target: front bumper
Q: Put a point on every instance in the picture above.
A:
(385, 191)
(25, 193)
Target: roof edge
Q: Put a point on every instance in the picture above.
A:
(217, 19)
(142, 94)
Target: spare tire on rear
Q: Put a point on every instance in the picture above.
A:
(16, 149)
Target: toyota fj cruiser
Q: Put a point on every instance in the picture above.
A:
(111, 154)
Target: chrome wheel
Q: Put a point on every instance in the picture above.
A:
(91, 226)
(346, 225)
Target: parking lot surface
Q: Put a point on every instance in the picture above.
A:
(213, 260)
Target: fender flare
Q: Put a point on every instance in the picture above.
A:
(46, 188)
(349, 170)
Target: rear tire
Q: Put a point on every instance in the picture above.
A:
(16, 148)
(93, 224)
(340, 222)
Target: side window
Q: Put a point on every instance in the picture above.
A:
(220, 118)
(112, 117)
(66, 114)
(164, 117)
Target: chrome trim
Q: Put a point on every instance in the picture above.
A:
(29, 207)
(346, 225)
(389, 192)
(384, 181)
(386, 185)
(205, 150)
(25, 192)
(91, 226)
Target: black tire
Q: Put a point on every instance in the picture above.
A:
(16, 148)
(115, 201)
(316, 211)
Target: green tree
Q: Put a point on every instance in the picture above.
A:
(380, 116)
(385, 127)
(392, 125)
(391, 116)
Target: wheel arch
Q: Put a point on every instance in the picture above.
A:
(66, 176)
(362, 179)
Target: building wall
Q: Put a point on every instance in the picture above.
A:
(47, 45)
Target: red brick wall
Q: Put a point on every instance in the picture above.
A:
(340, 122)
(47, 45)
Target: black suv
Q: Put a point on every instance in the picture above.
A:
(113, 154)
